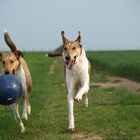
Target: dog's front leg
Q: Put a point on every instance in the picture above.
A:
(83, 90)
(84, 80)
(70, 101)
(70, 109)
(17, 116)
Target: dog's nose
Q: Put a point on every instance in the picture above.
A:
(67, 58)
(6, 72)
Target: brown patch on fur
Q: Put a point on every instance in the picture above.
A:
(72, 48)
(10, 62)
(9, 42)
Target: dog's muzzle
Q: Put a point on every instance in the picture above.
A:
(70, 62)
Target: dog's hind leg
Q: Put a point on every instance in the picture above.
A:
(28, 105)
(84, 89)
(17, 116)
(86, 100)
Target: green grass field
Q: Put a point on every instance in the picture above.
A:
(121, 63)
(113, 114)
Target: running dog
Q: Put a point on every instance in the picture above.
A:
(13, 63)
(77, 69)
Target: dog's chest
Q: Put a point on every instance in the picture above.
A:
(75, 72)
(20, 74)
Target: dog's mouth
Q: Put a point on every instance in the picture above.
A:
(69, 63)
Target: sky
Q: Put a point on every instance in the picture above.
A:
(35, 25)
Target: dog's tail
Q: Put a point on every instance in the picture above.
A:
(9, 42)
(54, 54)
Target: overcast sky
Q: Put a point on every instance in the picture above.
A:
(104, 24)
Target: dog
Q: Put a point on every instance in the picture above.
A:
(14, 63)
(77, 74)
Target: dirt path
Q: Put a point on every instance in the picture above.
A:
(118, 82)
(80, 136)
(52, 69)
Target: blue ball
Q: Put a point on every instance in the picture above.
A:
(10, 89)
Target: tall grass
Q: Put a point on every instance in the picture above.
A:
(121, 63)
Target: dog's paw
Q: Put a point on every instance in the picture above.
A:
(25, 117)
(29, 110)
(86, 103)
(71, 130)
(23, 129)
(78, 98)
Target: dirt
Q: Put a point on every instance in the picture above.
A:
(52, 69)
(118, 82)
(81, 136)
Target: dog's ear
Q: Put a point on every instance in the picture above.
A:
(18, 54)
(65, 40)
(0, 56)
(79, 39)
(9, 42)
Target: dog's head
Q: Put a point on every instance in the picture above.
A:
(10, 60)
(71, 50)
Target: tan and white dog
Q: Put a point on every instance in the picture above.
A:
(13, 63)
(77, 70)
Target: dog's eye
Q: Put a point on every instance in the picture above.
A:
(73, 48)
(3, 62)
(11, 61)
(65, 48)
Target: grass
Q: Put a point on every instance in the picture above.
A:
(121, 63)
(112, 113)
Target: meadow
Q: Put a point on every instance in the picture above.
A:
(121, 63)
(113, 114)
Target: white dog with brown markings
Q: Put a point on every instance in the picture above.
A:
(77, 70)
(13, 63)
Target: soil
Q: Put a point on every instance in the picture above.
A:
(52, 69)
(118, 82)
(80, 136)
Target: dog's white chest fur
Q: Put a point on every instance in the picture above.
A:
(20, 74)
(79, 71)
